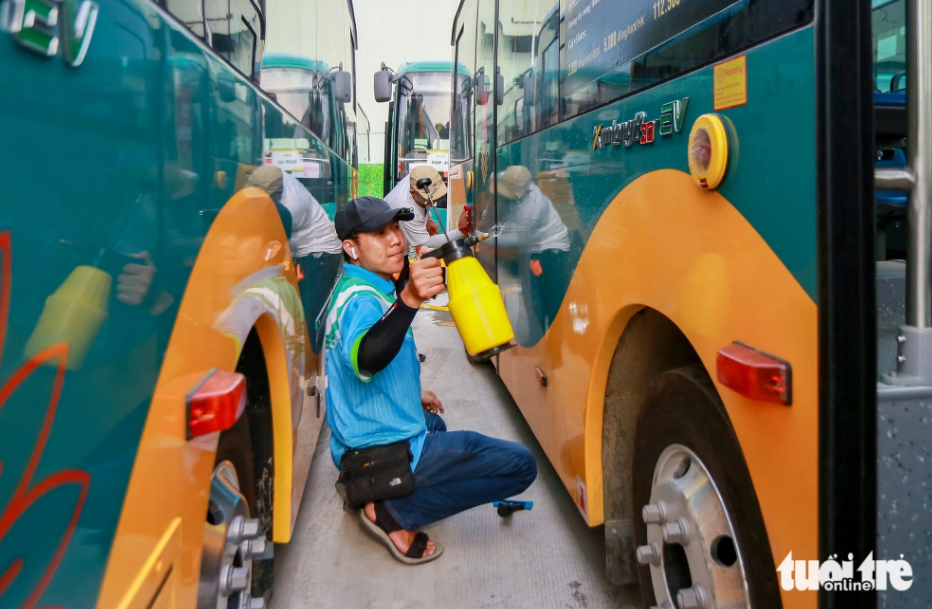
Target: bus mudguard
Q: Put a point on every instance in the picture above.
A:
(238, 283)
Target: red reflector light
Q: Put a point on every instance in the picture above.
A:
(755, 374)
(216, 402)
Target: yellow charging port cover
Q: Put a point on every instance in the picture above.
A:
(708, 151)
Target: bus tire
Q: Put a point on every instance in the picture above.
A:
(235, 446)
(683, 434)
(254, 428)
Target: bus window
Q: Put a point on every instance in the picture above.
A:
(548, 71)
(609, 63)
(301, 63)
(465, 59)
(362, 133)
(335, 50)
(522, 28)
(888, 20)
(191, 14)
(301, 87)
(233, 28)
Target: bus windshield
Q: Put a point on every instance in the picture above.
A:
(424, 131)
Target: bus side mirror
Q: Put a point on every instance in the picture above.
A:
(343, 86)
(382, 85)
(530, 90)
(499, 87)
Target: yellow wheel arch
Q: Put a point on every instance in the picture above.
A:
(666, 244)
(169, 485)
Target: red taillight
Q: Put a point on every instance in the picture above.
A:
(216, 402)
(755, 374)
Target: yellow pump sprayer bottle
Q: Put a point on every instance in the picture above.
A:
(475, 302)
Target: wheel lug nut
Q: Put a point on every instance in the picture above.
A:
(256, 603)
(649, 554)
(676, 532)
(242, 529)
(691, 598)
(654, 513)
(234, 579)
(251, 528)
(255, 547)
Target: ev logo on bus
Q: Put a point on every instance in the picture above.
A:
(45, 26)
(639, 129)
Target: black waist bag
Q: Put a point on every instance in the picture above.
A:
(378, 472)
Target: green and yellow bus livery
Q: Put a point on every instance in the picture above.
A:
(682, 194)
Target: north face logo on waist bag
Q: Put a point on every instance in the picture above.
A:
(395, 482)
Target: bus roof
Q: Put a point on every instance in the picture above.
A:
(431, 65)
(283, 60)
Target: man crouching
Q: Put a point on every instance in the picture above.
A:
(406, 477)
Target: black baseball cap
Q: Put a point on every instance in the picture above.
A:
(367, 214)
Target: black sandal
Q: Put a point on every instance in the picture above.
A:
(418, 545)
(385, 524)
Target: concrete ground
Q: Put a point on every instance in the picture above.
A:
(543, 558)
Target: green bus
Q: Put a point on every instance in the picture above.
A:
(719, 349)
(160, 392)
(418, 128)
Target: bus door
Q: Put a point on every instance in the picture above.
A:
(533, 243)
(484, 217)
(900, 36)
(507, 264)
(388, 160)
(462, 166)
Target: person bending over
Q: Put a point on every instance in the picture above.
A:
(420, 231)
(374, 389)
(314, 244)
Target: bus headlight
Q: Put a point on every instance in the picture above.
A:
(708, 151)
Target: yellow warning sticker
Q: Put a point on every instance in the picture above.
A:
(731, 83)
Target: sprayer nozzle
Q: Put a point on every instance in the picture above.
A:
(477, 238)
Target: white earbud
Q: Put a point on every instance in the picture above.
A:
(354, 255)
(268, 254)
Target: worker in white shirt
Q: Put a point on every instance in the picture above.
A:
(406, 194)
(531, 230)
(314, 245)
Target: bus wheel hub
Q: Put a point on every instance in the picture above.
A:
(692, 550)
(231, 540)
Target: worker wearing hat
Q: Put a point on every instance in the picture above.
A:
(407, 194)
(374, 392)
(314, 244)
(532, 229)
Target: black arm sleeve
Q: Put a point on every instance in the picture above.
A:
(382, 342)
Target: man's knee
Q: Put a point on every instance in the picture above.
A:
(526, 466)
(523, 466)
